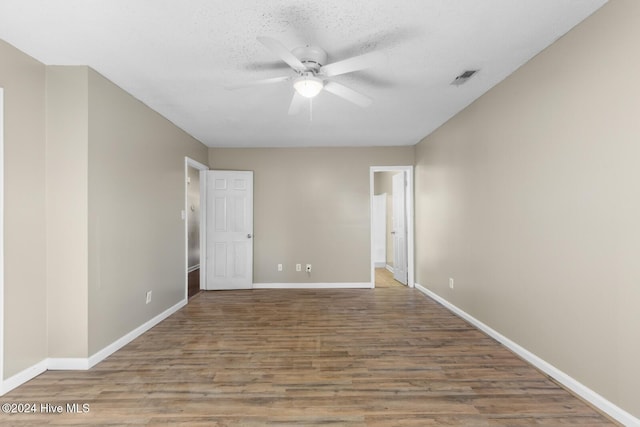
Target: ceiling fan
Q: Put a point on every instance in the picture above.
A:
(313, 74)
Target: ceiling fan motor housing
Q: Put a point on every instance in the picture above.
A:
(311, 56)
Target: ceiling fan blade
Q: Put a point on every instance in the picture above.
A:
(348, 94)
(276, 64)
(297, 102)
(283, 53)
(258, 82)
(349, 65)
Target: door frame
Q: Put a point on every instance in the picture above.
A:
(409, 193)
(189, 162)
(1, 241)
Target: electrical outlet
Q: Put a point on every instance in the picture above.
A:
(148, 297)
(279, 267)
(308, 268)
(298, 267)
(451, 282)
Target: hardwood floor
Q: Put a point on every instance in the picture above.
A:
(193, 283)
(382, 357)
(384, 279)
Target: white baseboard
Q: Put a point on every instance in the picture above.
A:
(380, 264)
(84, 363)
(572, 384)
(388, 267)
(355, 285)
(121, 342)
(68, 363)
(23, 376)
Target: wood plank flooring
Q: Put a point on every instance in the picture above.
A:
(193, 283)
(384, 279)
(383, 357)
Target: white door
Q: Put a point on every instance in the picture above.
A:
(229, 230)
(399, 231)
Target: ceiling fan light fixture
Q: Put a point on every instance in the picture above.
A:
(308, 86)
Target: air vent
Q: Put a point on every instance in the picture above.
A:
(462, 78)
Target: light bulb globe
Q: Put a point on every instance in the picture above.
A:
(308, 86)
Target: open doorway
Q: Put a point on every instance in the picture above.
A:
(392, 255)
(193, 226)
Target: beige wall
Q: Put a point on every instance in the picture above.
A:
(311, 206)
(530, 200)
(23, 81)
(94, 187)
(136, 195)
(67, 204)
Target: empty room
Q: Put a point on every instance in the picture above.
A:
(366, 213)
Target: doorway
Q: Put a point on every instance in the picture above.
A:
(193, 226)
(392, 238)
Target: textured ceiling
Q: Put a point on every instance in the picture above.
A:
(177, 56)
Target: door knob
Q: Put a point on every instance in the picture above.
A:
(249, 236)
